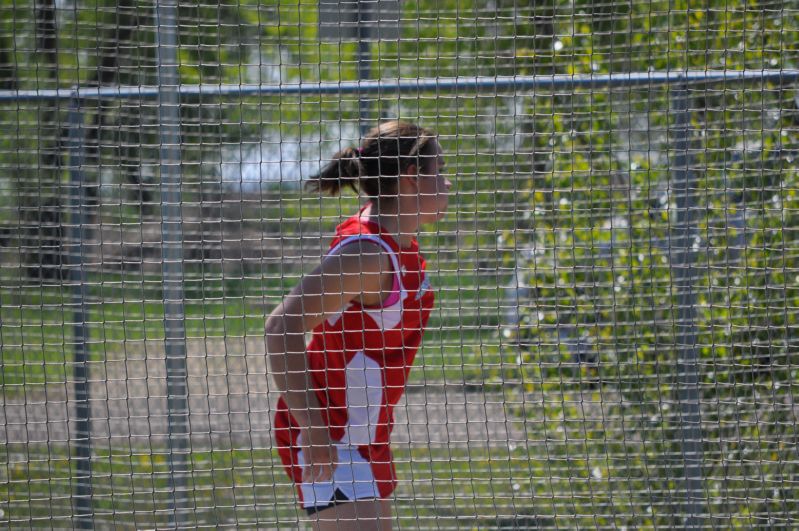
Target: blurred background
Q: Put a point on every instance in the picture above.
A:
(615, 340)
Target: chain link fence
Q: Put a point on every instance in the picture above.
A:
(617, 279)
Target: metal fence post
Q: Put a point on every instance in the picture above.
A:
(172, 259)
(77, 238)
(364, 67)
(682, 255)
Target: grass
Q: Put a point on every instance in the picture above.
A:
(453, 487)
(229, 487)
(131, 487)
(437, 488)
(37, 332)
(37, 323)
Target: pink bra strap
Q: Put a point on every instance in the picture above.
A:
(395, 292)
(396, 288)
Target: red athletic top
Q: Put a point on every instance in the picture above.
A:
(359, 359)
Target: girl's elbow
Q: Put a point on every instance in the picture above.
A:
(281, 347)
(281, 335)
(281, 327)
(275, 326)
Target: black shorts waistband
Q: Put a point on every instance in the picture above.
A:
(338, 497)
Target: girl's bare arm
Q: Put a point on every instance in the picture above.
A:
(355, 271)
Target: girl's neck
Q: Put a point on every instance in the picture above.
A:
(385, 213)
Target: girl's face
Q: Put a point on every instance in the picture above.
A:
(433, 187)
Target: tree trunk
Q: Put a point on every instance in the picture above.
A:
(41, 209)
(8, 71)
(107, 73)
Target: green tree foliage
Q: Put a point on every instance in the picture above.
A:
(571, 193)
(602, 321)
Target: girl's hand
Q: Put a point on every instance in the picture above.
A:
(321, 456)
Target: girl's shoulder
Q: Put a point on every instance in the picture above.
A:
(365, 230)
(356, 225)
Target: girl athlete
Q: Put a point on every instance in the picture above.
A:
(367, 305)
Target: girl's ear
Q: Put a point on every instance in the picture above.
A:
(411, 170)
(408, 179)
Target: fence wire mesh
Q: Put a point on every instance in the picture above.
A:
(617, 278)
